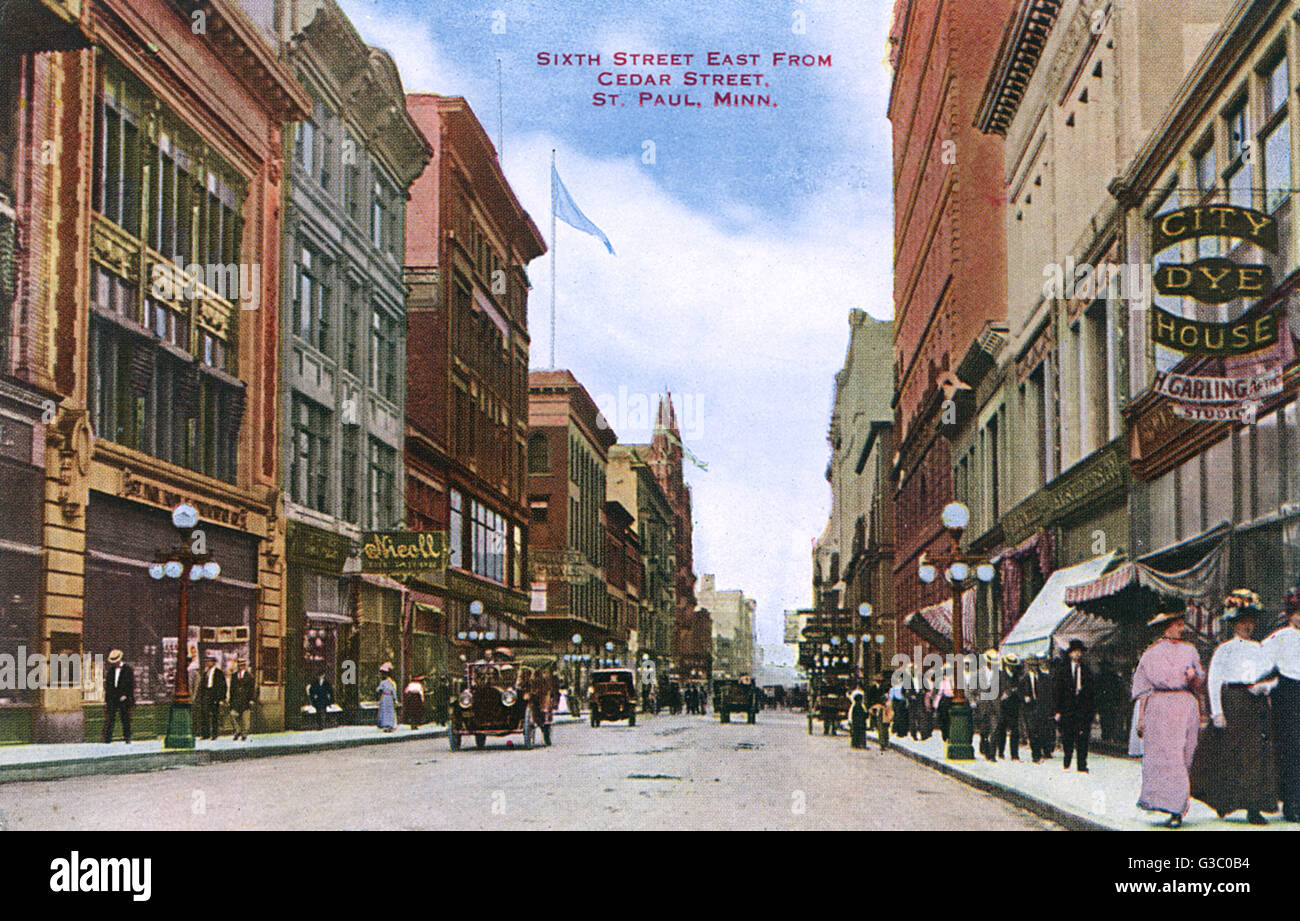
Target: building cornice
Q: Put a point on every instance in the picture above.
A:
(1022, 46)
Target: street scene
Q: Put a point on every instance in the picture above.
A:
(747, 415)
(671, 772)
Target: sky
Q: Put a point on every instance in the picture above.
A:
(743, 236)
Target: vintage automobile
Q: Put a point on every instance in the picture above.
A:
(499, 697)
(829, 695)
(731, 695)
(612, 695)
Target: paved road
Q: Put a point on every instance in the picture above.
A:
(685, 772)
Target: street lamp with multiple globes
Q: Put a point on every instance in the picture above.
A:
(185, 565)
(961, 729)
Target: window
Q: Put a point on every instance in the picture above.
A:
(309, 465)
(383, 485)
(348, 477)
(383, 353)
(311, 298)
(539, 453)
(352, 328)
(352, 177)
(1269, 466)
(1238, 130)
(1277, 165)
(1205, 176)
(378, 216)
(1277, 86)
(455, 531)
(488, 542)
(305, 146)
(1189, 499)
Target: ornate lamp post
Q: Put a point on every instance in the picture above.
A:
(185, 565)
(961, 728)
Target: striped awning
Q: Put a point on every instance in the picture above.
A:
(934, 623)
(1103, 586)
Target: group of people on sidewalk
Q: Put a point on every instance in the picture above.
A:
(1243, 754)
(209, 689)
(1248, 756)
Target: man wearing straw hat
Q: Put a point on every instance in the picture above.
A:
(241, 697)
(119, 695)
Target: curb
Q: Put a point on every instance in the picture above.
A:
(1040, 807)
(166, 760)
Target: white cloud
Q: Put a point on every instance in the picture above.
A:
(753, 320)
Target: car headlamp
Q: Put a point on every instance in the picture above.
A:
(508, 697)
(466, 698)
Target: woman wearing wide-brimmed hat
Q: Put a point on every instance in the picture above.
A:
(387, 691)
(1169, 716)
(1234, 766)
(1282, 647)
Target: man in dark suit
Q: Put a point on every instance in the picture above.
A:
(321, 695)
(119, 695)
(242, 693)
(1075, 704)
(212, 685)
(1036, 709)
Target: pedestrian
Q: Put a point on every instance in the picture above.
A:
(880, 710)
(1282, 648)
(898, 703)
(858, 719)
(1166, 681)
(387, 692)
(943, 701)
(413, 702)
(1234, 767)
(321, 695)
(241, 698)
(214, 695)
(828, 711)
(1008, 693)
(1074, 707)
(119, 696)
(984, 717)
(1036, 708)
(918, 712)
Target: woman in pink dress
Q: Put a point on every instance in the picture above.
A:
(1169, 717)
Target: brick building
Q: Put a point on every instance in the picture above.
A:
(468, 244)
(949, 264)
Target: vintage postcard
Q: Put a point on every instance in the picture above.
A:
(864, 415)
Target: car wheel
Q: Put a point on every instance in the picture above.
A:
(724, 717)
(453, 739)
(595, 717)
(631, 718)
(480, 740)
(546, 734)
(528, 727)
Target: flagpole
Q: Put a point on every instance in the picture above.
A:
(552, 258)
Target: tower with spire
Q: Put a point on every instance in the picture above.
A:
(665, 460)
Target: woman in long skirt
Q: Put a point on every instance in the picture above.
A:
(387, 698)
(1165, 681)
(1282, 647)
(1234, 767)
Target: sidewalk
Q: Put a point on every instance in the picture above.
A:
(53, 762)
(1104, 799)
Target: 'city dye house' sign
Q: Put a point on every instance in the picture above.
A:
(1236, 394)
(404, 552)
(1214, 280)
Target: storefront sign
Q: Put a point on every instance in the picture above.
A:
(1189, 389)
(306, 544)
(1214, 221)
(1215, 339)
(404, 551)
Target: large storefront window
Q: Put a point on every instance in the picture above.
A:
(20, 561)
(126, 609)
(381, 637)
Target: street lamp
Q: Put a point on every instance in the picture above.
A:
(955, 517)
(185, 566)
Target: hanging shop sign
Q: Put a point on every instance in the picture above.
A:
(1219, 399)
(1214, 221)
(1215, 339)
(1214, 280)
(404, 551)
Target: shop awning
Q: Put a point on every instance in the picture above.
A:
(1032, 634)
(1204, 579)
(934, 624)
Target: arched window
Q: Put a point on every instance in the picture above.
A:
(539, 454)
